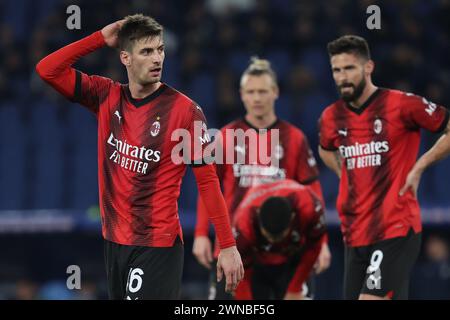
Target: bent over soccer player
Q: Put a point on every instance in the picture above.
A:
(370, 138)
(139, 183)
(280, 228)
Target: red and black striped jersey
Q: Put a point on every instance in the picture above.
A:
(139, 183)
(379, 144)
(296, 160)
(143, 148)
(282, 142)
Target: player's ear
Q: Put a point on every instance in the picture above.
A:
(125, 58)
(276, 91)
(369, 66)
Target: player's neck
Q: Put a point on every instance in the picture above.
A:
(261, 122)
(139, 91)
(368, 91)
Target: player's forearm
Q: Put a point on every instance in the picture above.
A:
(55, 63)
(202, 225)
(439, 151)
(332, 160)
(209, 190)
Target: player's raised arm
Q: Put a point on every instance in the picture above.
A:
(316, 236)
(229, 261)
(439, 151)
(56, 68)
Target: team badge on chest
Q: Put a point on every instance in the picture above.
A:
(155, 128)
(377, 126)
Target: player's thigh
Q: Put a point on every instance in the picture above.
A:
(155, 273)
(390, 265)
(355, 266)
(269, 282)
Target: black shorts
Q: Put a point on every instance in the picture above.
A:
(135, 272)
(381, 269)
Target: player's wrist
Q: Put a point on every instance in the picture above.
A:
(229, 247)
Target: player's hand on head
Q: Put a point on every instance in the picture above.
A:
(110, 33)
(202, 250)
(412, 182)
(229, 264)
(323, 260)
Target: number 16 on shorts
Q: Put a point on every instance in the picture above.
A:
(374, 280)
(134, 281)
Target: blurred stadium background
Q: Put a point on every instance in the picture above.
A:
(48, 171)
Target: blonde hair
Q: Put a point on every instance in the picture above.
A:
(258, 67)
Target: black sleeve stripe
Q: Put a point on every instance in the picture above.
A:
(444, 123)
(77, 92)
(310, 180)
(328, 149)
(204, 162)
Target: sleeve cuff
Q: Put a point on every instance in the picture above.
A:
(444, 123)
(328, 148)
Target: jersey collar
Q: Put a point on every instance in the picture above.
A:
(365, 104)
(141, 102)
(273, 125)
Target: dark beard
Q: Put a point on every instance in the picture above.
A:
(357, 92)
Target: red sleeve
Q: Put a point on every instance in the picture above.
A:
(305, 265)
(209, 190)
(56, 69)
(417, 112)
(327, 134)
(245, 247)
(202, 223)
(307, 170)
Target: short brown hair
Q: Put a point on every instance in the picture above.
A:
(349, 44)
(137, 27)
(259, 67)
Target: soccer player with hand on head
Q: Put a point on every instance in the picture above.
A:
(370, 138)
(139, 181)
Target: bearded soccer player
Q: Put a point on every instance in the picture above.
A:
(139, 183)
(279, 228)
(261, 128)
(370, 137)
